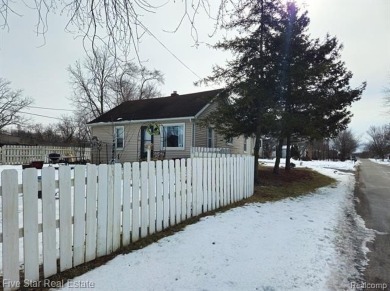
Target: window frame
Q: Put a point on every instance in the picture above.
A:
(210, 137)
(163, 137)
(116, 128)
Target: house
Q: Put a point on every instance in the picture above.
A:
(171, 125)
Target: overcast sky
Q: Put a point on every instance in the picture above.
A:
(363, 26)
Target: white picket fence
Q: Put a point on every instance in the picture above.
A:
(102, 208)
(203, 152)
(18, 154)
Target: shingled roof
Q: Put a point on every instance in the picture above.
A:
(174, 106)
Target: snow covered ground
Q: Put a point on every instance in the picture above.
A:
(378, 161)
(346, 165)
(314, 242)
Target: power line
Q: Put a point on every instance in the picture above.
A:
(160, 42)
(69, 110)
(40, 115)
(49, 108)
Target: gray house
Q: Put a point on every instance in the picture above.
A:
(169, 125)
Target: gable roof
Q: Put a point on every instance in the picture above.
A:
(174, 106)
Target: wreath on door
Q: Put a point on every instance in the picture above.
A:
(153, 129)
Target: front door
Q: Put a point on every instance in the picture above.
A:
(146, 139)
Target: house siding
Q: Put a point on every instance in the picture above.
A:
(132, 142)
(105, 134)
(236, 147)
(200, 136)
(200, 131)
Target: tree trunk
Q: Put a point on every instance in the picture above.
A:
(278, 156)
(256, 162)
(288, 153)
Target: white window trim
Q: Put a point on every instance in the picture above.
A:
(162, 139)
(228, 142)
(116, 138)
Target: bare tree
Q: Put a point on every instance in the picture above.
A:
(135, 83)
(379, 144)
(75, 128)
(12, 103)
(116, 23)
(40, 134)
(91, 83)
(345, 143)
(67, 129)
(67, 132)
(83, 131)
(102, 82)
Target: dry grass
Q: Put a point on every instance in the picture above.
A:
(291, 183)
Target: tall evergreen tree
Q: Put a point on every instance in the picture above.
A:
(247, 104)
(314, 92)
(281, 82)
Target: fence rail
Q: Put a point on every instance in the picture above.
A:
(102, 208)
(18, 155)
(203, 152)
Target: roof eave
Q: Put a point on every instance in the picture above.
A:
(123, 122)
(202, 110)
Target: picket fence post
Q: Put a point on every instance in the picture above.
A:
(159, 196)
(110, 207)
(90, 224)
(177, 192)
(49, 222)
(189, 189)
(136, 198)
(9, 182)
(79, 216)
(66, 254)
(172, 193)
(126, 213)
(183, 189)
(152, 196)
(30, 225)
(144, 199)
(166, 194)
(209, 179)
(117, 206)
(102, 197)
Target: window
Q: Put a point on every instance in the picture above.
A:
(173, 136)
(119, 137)
(210, 137)
(229, 141)
(245, 144)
